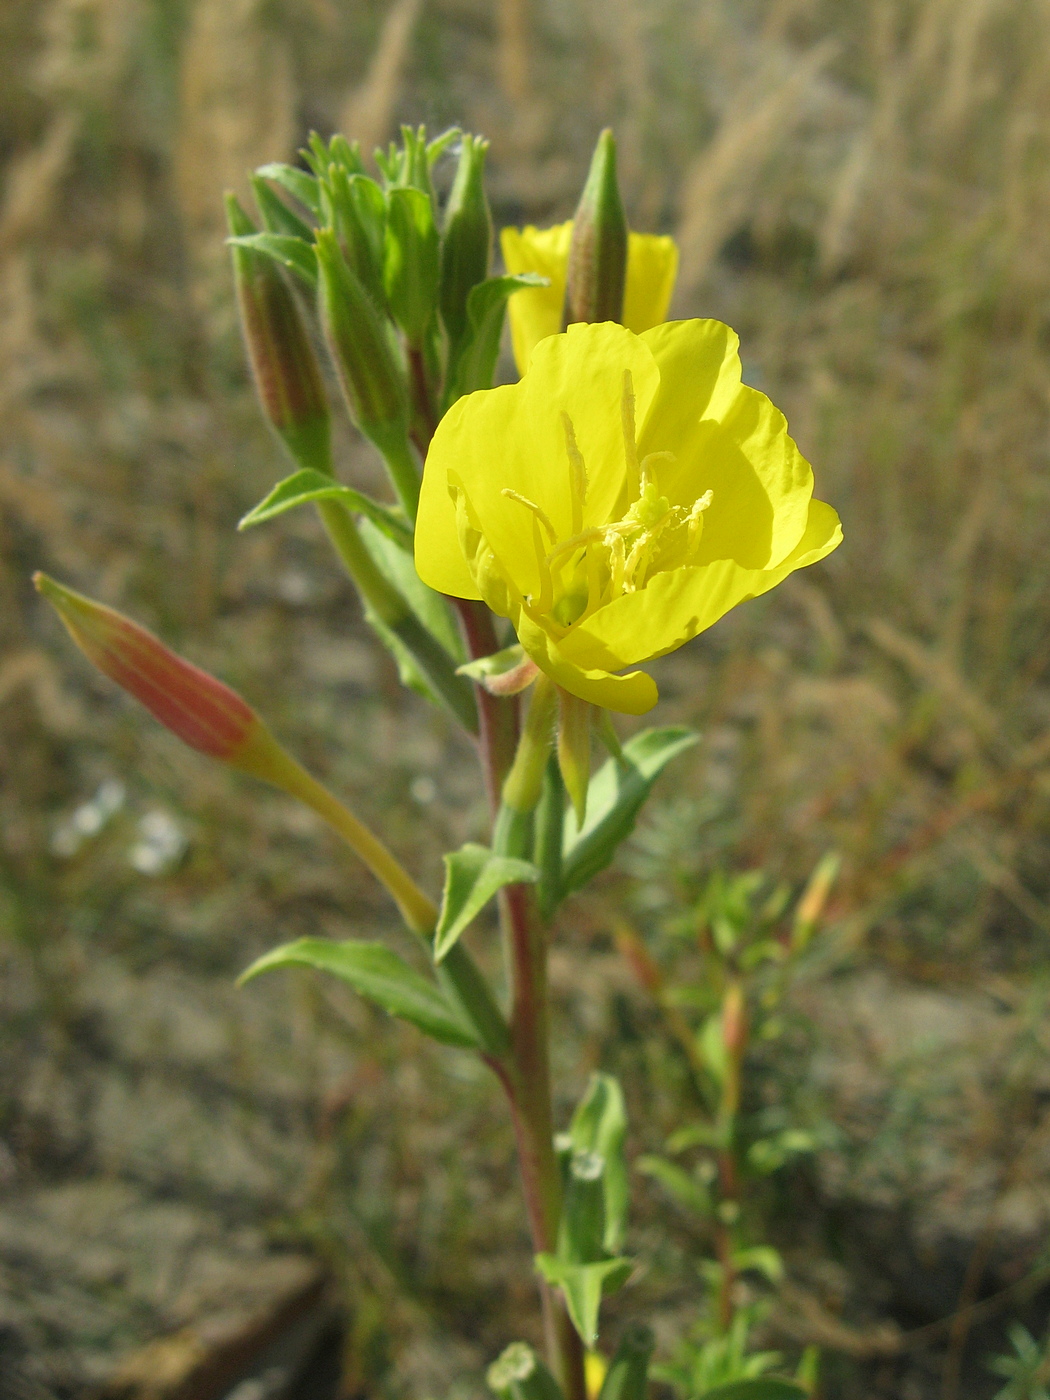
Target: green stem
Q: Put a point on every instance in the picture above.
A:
(391, 609)
(402, 465)
(528, 1080)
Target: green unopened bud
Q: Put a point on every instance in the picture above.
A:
(574, 749)
(283, 362)
(355, 207)
(627, 1376)
(519, 1374)
(597, 271)
(276, 216)
(411, 263)
(466, 250)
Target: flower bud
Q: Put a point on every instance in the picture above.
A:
(411, 263)
(597, 271)
(370, 376)
(283, 362)
(466, 251)
(203, 712)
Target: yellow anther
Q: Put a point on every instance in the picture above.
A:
(538, 512)
(630, 443)
(577, 473)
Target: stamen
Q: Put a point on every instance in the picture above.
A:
(577, 473)
(545, 601)
(538, 511)
(594, 582)
(696, 520)
(570, 546)
(614, 544)
(630, 444)
(644, 474)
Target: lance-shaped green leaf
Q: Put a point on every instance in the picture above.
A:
(276, 215)
(379, 975)
(759, 1388)
(473, 875)
(682, 1185)
(627, 1376)
(298, 183)
(599, 1126)
(304, 487)
(615, 797)
(295, 254)
(583, 1287)
(474, 362)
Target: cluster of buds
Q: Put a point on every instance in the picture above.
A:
(390, 275)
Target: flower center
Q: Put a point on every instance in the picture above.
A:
(596, 565)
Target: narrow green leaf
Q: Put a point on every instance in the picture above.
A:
(615, 797)
(395, 562)
(474, 358)
(761, 1388)
(682, 1185)
(276, 215)
(378, 974)
(627, 1376)
(583, 1286)
(297, 182)
(293, 253)
(307, 485)
(472, 876)
(599, 1125)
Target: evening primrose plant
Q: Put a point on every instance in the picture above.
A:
(541, 542)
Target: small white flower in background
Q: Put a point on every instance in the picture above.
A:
(161, 845)
(88, 819)
(423, 790)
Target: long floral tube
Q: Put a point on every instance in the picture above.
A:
(210, 717)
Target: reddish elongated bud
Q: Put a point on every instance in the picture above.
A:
(213, 719)
(597, 271)
(283, 362)
(203, 712)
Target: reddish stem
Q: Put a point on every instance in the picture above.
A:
(497, 717)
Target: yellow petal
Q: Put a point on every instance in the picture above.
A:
(536, 313)
(652, 266)
(727, 438)
(633, 694)
(513, 438)
(675, 606)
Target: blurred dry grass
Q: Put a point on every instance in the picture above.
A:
(862, 189)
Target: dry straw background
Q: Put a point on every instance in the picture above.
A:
(862, 188)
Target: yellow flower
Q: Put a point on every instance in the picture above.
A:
(652, 264)
(619, 499)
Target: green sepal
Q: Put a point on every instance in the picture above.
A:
(355, 206)
(628, 1373)
(275, 214)
(298, 183)
(759, 1388)
(304, 487)
(474, 361)
(599, 1125)
(616, 795)
(411, 263)
(583, 1287)
(472, 876)
(379, 975)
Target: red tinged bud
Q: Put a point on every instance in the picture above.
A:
(284, 366)
(203, 712)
